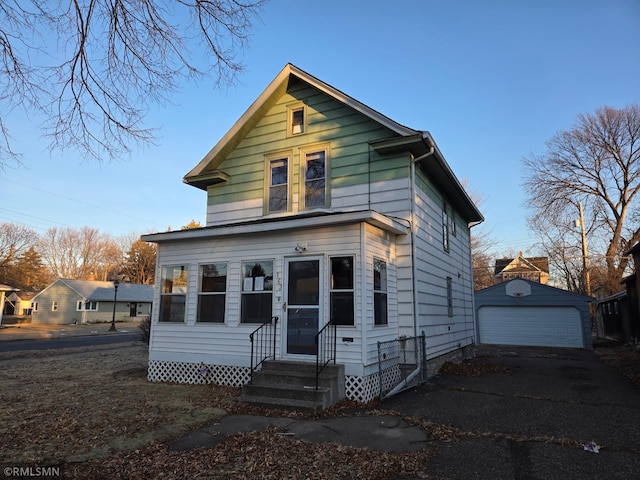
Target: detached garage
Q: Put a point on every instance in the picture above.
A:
(521, 312)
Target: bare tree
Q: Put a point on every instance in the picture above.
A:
(597, 162)
(92, 68)
(80, 253)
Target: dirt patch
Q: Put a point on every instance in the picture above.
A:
(622, 357)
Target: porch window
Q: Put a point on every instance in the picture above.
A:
(257, 287)
(449, 297)
(380, 292)
(341, 293)
(445, 226)
(212, 292)
(278, 185)
(173, 293)
(315, 179)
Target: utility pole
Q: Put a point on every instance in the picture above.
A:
(585, 255)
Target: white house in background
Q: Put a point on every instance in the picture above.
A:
(68, 301)
(4, 291)
(319, 209)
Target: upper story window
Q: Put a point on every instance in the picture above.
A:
(445, 226)
(54, 306)
(297, 119)
(315, 180)
(173, 293)
(278, 176)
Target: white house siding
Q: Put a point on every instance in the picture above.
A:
(228, 343)
(434, 265)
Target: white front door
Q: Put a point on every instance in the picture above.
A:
(303, 297)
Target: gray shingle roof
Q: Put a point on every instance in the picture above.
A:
(103, 291)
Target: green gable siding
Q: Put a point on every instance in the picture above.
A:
(328, 121)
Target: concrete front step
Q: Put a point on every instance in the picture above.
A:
(286, 384)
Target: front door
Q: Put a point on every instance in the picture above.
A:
(303, 304)
(133, 309)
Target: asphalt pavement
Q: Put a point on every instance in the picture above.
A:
(557, 414)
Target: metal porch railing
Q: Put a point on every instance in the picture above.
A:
(263, 344)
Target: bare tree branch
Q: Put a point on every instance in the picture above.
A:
(93, 68)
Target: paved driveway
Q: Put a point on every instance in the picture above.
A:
(532, 422)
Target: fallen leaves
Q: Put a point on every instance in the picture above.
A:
(472, 369)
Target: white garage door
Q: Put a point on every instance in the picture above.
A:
(536, 326)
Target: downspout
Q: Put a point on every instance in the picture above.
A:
(414, 255)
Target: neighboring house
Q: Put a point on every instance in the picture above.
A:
(535, 269)
(524, 312)
(19, 303)
(319, 209)
(68, 301)
(5, 290)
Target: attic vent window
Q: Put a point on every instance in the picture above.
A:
(297, 121)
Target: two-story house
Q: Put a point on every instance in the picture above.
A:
(319, 210)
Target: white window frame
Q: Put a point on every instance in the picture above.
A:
(269, 160)
(333, 290)
(251, 286)
(176, 291)
(54, 306)
(382, 291)
(449, 297)
(445, 227)
(304, 153)
(83, 304)
(212, 293)
(292, 130)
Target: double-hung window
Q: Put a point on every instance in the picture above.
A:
(173, 293)
(315, 179)
(380, 292)
(257, 291)
(212, 292)
(54, 306)
(278, 178)
(341, 292)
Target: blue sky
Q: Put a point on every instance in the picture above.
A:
(491, 80)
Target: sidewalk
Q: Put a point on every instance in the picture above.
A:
(30, 331)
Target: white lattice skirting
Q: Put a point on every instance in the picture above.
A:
(360, 389)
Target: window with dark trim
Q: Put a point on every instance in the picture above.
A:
(212, 292)
(341, 291)
(380, 292)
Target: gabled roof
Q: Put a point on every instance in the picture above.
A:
(521, 264)
(535, 286)
(418, 142)
(104, 291)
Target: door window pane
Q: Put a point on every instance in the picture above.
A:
(304, 284)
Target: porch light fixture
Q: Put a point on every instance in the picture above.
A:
(116, 283)
(301, 247)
